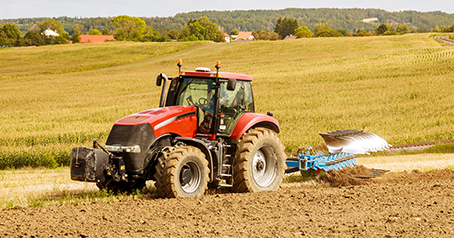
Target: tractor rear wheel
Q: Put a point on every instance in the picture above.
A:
(182, 172)
(259, 162)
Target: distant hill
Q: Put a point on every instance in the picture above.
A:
(347, 19)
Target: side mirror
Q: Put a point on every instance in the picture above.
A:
(159, 80)
(231, 84)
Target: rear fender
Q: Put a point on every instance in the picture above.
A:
(249, 120)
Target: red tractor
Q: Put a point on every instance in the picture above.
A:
(205, 133)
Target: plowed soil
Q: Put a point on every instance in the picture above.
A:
(405, 204)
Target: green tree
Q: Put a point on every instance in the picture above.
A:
(265, 35)
(322, 29)
(94, 32)
(286, 26)
(127, 28)
(303, 32)
(106, 31)
(173, 34)
(4, 40)
(201, 29)
(79, 29)
(403, 29)
(34, 38)
(234, 32)
(11, 31)
(448, 28)
(385, 29)
(53, 25)
(436, 29)
(382, 28)
(75, 38)
(151, 34)
(360, 32)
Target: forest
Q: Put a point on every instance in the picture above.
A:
(346, 19)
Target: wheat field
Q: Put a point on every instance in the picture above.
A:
(53, 98)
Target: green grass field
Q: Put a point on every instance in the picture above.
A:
(53, 98)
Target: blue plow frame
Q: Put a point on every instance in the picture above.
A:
(322, 162)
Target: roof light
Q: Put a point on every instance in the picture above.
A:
(218, 64)
(203, 69)
(180, 62)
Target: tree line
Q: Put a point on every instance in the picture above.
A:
(127, 28)
(346, 19)
(123, 28)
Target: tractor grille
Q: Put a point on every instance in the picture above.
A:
(141, 135)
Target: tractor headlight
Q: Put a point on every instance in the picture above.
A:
(119, 148)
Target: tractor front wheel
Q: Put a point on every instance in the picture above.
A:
(259, 162)
(182, 172)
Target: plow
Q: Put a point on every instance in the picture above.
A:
(343, 146)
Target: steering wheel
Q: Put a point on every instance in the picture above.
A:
(203, 102)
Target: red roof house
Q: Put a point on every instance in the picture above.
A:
(290, 37)
(95, 38)
(226, 37)
(245, 35)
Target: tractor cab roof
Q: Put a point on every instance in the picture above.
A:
(207, 73)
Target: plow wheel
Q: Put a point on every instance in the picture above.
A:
(182, 172)
(259, 162)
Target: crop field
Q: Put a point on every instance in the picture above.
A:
(56, 97)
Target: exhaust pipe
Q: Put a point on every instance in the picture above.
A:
(159, 80)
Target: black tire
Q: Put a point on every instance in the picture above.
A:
(259, 162)
(182, 172)
(122, 186)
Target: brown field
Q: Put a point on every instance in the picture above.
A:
(397, 204)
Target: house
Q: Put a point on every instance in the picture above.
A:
(290, 37)
(95, 38)
(226, 37)
(245, 35)
(392, 22)
(48, 33)
(370, 20)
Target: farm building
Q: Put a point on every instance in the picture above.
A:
(95, 38)
(226, 37)
(49, 33)
(290, 37)
(245, 35)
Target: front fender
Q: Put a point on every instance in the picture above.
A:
(203, 147)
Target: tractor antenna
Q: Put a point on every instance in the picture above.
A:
(179, 64)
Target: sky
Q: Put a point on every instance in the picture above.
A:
(166, 8)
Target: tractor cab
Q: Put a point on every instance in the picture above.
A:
(220, 98)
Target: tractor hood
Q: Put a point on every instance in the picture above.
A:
(180, 120)
(132, 136)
